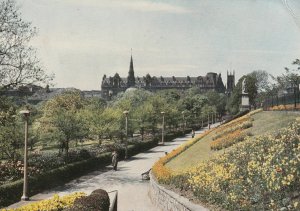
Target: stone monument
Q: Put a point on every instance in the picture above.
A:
(245, 97)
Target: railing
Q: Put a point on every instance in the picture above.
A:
(286, 99)
(114, 202)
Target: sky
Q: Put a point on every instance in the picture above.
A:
(81, 40)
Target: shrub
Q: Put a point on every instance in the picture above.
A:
(12, 192)
(56, 203)
(97, 201)
(257, 174)
(10, 171)
(232, 132)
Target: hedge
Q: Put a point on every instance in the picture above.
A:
(12, 192)
(98, 200)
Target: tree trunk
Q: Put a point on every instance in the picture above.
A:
(99, 140)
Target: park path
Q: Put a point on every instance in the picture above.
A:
(132, 190)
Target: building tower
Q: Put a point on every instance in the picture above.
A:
(131, 78)
(230, 82)
(220, 85)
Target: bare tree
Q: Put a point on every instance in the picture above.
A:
(18, 62)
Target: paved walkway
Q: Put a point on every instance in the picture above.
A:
(132, 190)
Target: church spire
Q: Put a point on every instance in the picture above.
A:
(131, 78)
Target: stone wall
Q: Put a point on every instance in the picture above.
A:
(167, 200)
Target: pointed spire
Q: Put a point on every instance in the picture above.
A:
(131, 78)
(131, 65)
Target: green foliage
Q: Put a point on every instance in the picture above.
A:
(62, 120)
(98, 200)
(234, 100)
(10, 193)
(19, 64)
(10, 130)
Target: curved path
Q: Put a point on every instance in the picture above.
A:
(132, 190)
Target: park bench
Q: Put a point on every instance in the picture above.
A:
(145, 175)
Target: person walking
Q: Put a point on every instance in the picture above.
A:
(193, 133)
(115, 160)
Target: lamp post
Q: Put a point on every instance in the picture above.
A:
(215, 113)
(25, 197)
(295, 86)
(163, 128)
(208, 125)
(184, 124)
(202, 119)
(126, 129)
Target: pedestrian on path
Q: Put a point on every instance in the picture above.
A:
(115, 160)
(193, 133)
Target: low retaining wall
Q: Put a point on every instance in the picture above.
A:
(167, 200)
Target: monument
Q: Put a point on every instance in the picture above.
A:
(245, 98)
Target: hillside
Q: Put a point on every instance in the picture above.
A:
(250, 163)
(264, 122)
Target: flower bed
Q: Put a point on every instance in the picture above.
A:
(232, 132)
(257, 174)
(290, 107)
(228, 140)
(163, 173)
(56, 203)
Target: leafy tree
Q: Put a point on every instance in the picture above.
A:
(234, 101)
(291, 76)
(218, 100)
(148, 79)
(256, 82)
(61, 120)
(111, 123)
(91, 115)
(10, 130)
(170, 95)
(251, 88)
(18, 62)
(132, 98)
(142, 115)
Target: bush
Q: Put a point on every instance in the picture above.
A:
(238, 115)
(63, 173)
(97, 201)
(56, 203)
(12, 192)
(45, 161)
(258, 174)
(10, 171)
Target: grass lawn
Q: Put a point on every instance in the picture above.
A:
(264, 122)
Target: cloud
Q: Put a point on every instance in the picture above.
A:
(136, 5)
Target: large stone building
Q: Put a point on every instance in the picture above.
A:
(212, 81)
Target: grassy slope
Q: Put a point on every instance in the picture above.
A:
(264, 122)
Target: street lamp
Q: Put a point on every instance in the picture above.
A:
(202, 119)
(25, 197)
(126, 129)
(215, 114)
(295, 86)
(163, 128)
(216, 119)
(208, 124)
(184, 123)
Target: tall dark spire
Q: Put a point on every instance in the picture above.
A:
(131, 78)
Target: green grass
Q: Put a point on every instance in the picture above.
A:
(264, 122)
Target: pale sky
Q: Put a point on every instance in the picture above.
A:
(81, 40)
